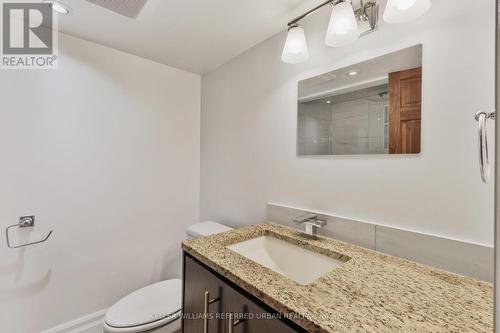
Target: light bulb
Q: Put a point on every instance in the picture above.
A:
(402, 11)
(343, 26)
(295, 49)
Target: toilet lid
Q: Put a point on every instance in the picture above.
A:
(149, 304)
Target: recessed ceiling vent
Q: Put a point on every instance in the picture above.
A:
(128, 8)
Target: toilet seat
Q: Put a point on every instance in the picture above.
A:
(133, 313)
(145, 309)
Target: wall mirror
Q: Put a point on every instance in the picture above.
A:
(373, 107)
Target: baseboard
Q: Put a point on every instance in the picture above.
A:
(91, 323)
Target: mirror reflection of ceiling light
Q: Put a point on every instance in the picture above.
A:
(343, 26)
(353, 72)
(59, 7)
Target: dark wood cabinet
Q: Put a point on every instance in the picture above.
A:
(212, 304)
(203, 299)
(245, 316)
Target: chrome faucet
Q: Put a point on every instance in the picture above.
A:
(312, 222)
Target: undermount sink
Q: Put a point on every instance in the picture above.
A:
(298, 264)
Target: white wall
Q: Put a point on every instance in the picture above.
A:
(249, 131)
(104, 151)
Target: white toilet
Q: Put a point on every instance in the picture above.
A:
(155, 308)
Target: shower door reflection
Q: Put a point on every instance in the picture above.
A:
(352, 123)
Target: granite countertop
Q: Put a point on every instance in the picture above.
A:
(371, 292)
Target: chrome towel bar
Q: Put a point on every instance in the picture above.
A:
(484, 159)
(24, 222)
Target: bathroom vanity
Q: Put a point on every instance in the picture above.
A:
(217, 305)
(227, 290)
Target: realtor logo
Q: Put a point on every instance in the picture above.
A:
(29, 35)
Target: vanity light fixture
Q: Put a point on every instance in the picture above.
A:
(343, 27)
(348, 22)
(295, 49)
(402, 11)
(59, 7)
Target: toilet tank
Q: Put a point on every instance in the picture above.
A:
(206, 228)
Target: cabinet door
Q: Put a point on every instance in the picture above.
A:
(248, 317)
(203, 300)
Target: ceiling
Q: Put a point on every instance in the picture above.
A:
(194, 35)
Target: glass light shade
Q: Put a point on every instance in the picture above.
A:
(343, 26)
(59, 7)
(295, 49)
(402, 11)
